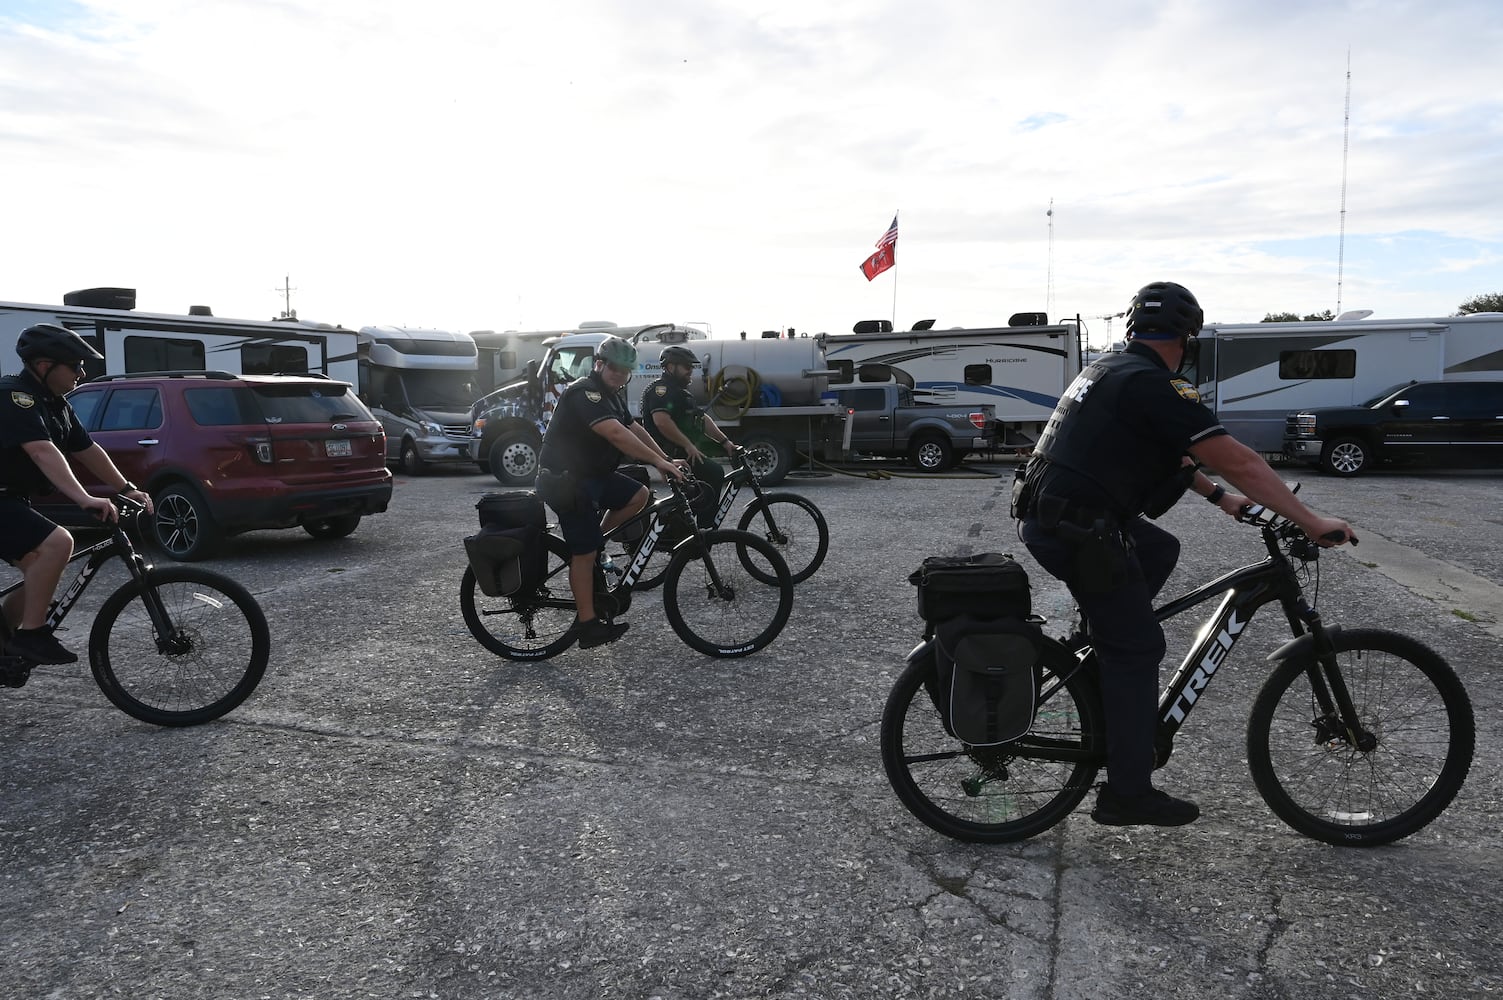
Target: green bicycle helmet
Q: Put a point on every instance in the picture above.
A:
(617, 352)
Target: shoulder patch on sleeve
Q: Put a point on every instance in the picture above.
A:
(592, 395)
(24, 400)
(662, 390)
(1185, 389)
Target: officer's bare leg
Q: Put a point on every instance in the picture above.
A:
(41, 569)
(631, 510)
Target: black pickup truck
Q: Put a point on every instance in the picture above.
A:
(887, 420)
(1455, 423)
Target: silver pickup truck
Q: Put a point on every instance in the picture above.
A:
(887, 420)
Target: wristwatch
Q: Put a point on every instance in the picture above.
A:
(1215, 495)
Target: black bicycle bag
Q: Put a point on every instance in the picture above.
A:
(986, 585)
(985, 678)
(508, 555)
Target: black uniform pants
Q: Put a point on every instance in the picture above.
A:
(1129, 643)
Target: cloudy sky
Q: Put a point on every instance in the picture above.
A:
(535, 163)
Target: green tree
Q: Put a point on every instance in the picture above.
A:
(1295, 317)
(1482, 304)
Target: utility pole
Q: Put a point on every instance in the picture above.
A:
(287, 311)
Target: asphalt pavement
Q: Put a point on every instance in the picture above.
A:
(398, 813)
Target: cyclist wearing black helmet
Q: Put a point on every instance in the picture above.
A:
(682, 429)
(590, 430)
(1127, 439)
(37, 429)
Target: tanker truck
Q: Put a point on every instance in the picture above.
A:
(765, 394)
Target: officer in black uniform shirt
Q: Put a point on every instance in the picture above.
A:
(590, 430)
(37, 428)
(1126, 439)
(682, 429)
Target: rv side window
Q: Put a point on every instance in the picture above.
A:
(874, 373)
(1317, 364)
(978, 374)
(843, 372)
(159, 354)
(273, 359)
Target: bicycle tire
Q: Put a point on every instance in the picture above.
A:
(757, 608)
(797, 529)
(993, 795)
(218, 658)
(534, 626)
(1408, 698)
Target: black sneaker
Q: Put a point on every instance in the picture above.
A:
(597, 633)
(1152, 808)
(40, 646)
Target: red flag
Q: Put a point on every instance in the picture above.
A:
(886, 255)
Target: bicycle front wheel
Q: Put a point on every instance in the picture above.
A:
(212, 659)
(532, 626)
(1400, 770)
(794, 526)
(992, 795)
(727, 593)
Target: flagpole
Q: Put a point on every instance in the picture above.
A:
(895, 279)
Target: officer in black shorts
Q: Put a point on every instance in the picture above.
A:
(590, 430)
(37, 427)
(682, 429)
(1127, 439)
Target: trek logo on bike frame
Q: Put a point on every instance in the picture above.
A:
(1219, 647)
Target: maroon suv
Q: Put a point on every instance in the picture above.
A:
(221, 453)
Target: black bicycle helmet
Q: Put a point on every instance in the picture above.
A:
(615, 351)
(57, 343)
(675, 355)
(1164, 311)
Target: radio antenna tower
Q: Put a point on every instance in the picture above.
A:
(1049, 279)
(1346, 144)
(287, 290)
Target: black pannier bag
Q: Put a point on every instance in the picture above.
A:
(508, 555)
(986, 678)
(984, 585)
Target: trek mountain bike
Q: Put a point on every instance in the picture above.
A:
(1358, 737)
(173, 646)
(790, 522)
(726, 593)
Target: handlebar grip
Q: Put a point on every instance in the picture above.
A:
(1337, 537)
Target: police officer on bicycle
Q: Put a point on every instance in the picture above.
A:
(37, 429)
(1127, 439)
(682, 429)
(590, 430)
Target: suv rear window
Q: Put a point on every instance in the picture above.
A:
(274, 404)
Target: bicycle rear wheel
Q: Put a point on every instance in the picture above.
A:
(727, 593)
(794, 526)
(993, 795)
(1411, 757)
(531, 626)
(212, 661)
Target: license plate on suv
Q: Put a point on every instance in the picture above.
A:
(338, 448)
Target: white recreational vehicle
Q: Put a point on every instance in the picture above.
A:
(1021, 369)
(420, 383)
(199, 341)
(1254, 374)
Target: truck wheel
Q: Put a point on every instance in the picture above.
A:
(514, 458)
(409, 461)
(930, 453)
(769, 457)
(1345, 456)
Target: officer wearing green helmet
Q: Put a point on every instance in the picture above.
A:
(590, 431)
